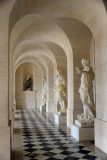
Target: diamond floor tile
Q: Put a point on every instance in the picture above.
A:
(42, 139)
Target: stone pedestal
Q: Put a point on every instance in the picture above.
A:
(60, 119)
(72, 115)
(84, 125)
(42, 108)
(26, 99)
(82, 134)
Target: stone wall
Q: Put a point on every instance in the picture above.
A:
(91, 13)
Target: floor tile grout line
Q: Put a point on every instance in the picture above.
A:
(32, 120)
(53, 124)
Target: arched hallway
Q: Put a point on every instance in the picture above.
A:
(36, 136)
(53, 64)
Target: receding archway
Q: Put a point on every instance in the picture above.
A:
(92, 20)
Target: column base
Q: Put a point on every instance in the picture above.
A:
(38, 103)
(72, 116)
(82, 134)
(101, 134)
(84, 125)
(5, 146)
(42, 108)
(50, 106)
(60, 119)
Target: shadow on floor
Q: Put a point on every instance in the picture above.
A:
(17, 130)
(16, 155)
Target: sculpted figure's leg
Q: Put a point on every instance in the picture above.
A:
(57, 105)
(85, 98)
(87, 107)
(62, 105)
(91, 110)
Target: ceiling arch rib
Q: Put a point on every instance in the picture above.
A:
(45, 31)
(27, 52)
(35, 58)
(33, 49)
(21, 25)
(36, 61)
(66, 24)
(29, 62)
(62, 8)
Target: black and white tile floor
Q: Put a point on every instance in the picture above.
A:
(44, 140)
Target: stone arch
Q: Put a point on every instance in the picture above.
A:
(97, 23)
(69, 44)
(43, 54)
(42, 67)
(70, 62)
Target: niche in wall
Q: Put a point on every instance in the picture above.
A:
(28, 70)
(28, 99)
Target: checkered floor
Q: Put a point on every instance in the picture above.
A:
(44, 140)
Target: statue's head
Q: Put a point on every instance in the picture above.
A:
(59, 73)
(86, 64)
(28, 76)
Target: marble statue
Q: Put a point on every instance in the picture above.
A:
(44, 92)
(28, 83)
(60, 92)
(86, 93)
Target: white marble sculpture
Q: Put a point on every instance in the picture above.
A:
(44, 92)
(60, 92)
(86, 94)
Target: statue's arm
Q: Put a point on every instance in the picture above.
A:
(64, 83)
(78, 69)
